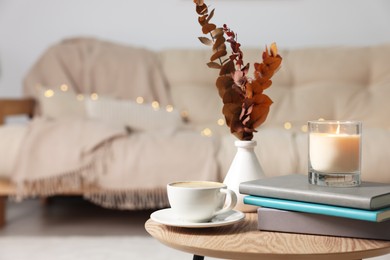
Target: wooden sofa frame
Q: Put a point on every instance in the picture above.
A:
(11, 107)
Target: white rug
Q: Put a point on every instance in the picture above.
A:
(86, 248)
(91, 248)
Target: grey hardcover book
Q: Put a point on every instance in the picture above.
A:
(314, 224)
(368, 195)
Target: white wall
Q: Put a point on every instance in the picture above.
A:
(27, 27)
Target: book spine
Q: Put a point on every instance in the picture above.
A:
(313, 197)
(306, 223)
(312, 208)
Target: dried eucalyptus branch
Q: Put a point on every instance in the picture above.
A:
(245, 107)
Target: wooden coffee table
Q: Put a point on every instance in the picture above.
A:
(243, 241)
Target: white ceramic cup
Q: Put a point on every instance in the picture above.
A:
(199, 201)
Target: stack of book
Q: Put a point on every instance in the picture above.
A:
(290, 204)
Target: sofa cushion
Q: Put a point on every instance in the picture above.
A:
(127, 113)
(59, 103)
(371, 105)
(344, 83)
(192, 84)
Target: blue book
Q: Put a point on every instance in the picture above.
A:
(337, 211)
(368, 195)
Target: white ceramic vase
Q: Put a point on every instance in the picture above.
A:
(245, 167)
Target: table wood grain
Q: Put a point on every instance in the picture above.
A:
(244, 241)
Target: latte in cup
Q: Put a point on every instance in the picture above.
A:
(198, 184)
(199, 201)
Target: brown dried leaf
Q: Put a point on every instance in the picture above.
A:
(221, 47)
(266, 84)
(231, 109)
(249, 90)
(214, 65)
(210, 15)
(199, 2)
(256, 86)
(260, 85)
(260, 110)
(202, 19)
(217, 32)
(201, 9)
(225, 60)
(231, 112)
(218, 55)
(265, 70)
(223, 83)
(208, 28)
(273, 62)
(205, 41)
(233, 95)
(273, 49)
(227, 68)
(236, 127)
(219, 41)
(262, 99)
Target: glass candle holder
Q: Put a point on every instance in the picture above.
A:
(335, 153)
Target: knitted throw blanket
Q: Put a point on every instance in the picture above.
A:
(109, 166)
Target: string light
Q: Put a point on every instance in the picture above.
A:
(155, 105)
(169, 108)
(206, 132)
(64, 87)
(140, 100)
(287, 125)
(94, 96)
(48, 93)
(220, 122)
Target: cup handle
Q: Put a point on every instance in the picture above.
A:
(232, 204)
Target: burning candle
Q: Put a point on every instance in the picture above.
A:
(334, 153)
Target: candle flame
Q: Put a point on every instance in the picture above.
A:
(338, 128)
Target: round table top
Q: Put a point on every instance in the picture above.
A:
(244, 241)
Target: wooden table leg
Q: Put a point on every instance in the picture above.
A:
(198, 257)
(3, 201)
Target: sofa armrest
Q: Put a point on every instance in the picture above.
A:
(10, 107)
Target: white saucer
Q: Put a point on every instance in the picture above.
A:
(167, 217)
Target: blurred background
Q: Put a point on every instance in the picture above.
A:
(27, 28)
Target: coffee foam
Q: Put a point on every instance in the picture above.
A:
(198, 184)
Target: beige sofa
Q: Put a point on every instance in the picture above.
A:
(342, 83)
(329, 82)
